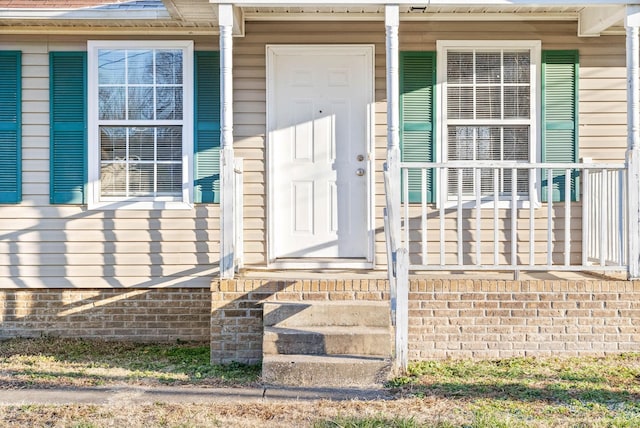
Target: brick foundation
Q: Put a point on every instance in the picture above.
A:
(496, 319)
(453, 318)
(149, 315)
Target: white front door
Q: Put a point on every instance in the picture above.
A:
(320, 100)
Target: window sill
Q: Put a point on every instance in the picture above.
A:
(140, 205)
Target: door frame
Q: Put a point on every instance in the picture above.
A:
(272, 51)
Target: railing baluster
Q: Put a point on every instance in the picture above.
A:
(549, 217)
(443, 201)
(624, 222)
(567, 217)
(478, 177)
(514, 216)
(405, 202)
(586, 203)
(611, 218)
(622, 226)
(460, 256)
(496, 201)
(423, 222)
(603, 219)
(532, 227)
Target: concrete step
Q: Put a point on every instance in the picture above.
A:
(324, 371)
(327, 341)
(344, 313)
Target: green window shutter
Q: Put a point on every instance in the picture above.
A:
(68, 127)
(207, 127)
(10, 127)
(560, 118)
(417, 110)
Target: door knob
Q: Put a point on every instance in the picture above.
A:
(360, 172)
(360, 158)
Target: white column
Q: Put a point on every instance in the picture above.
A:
(632, 23)
(392, 22)
(401, 256)
(227, 209)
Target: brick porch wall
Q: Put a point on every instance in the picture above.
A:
(452, 318)
(236, 309)
(144, 315)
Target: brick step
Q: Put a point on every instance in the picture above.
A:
(343, 313)
(327, 340)
(325, 371)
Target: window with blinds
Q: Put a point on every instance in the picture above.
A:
(489, 104)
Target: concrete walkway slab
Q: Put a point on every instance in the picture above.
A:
(143, 395)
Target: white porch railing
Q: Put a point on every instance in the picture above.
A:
(524, 231)
(520, 232)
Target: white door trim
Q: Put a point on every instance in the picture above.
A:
(272, 51)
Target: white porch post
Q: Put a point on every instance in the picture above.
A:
(401, 260)
(632, 24)
(392, 22)
(227, 214)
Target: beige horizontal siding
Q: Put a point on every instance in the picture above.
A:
(53, 240)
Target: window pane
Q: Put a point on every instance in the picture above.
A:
(488, 103)
(488, 143)
(169, 103)
(170, 143)
(516, 148)
(111, 103)
(170, 179)
(113, 178)
(141, 103)
(460, 103)
(488, 67)
(517, 102)
(140, 179)
(141, 144)
(169, 67)
(517, 67)
(140, 67)
(461, 147)
(113, 143)
(459, 67)
(111, 66)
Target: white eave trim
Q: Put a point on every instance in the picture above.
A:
(344, 16)
(460, 3)
(95, 13)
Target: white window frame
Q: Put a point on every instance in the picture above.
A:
(535, 141)
(93, 150)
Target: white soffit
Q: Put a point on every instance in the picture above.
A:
(594, 20)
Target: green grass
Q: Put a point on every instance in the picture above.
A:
(79, 362)
(580, 392)
(523, 392)
(368, 422)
